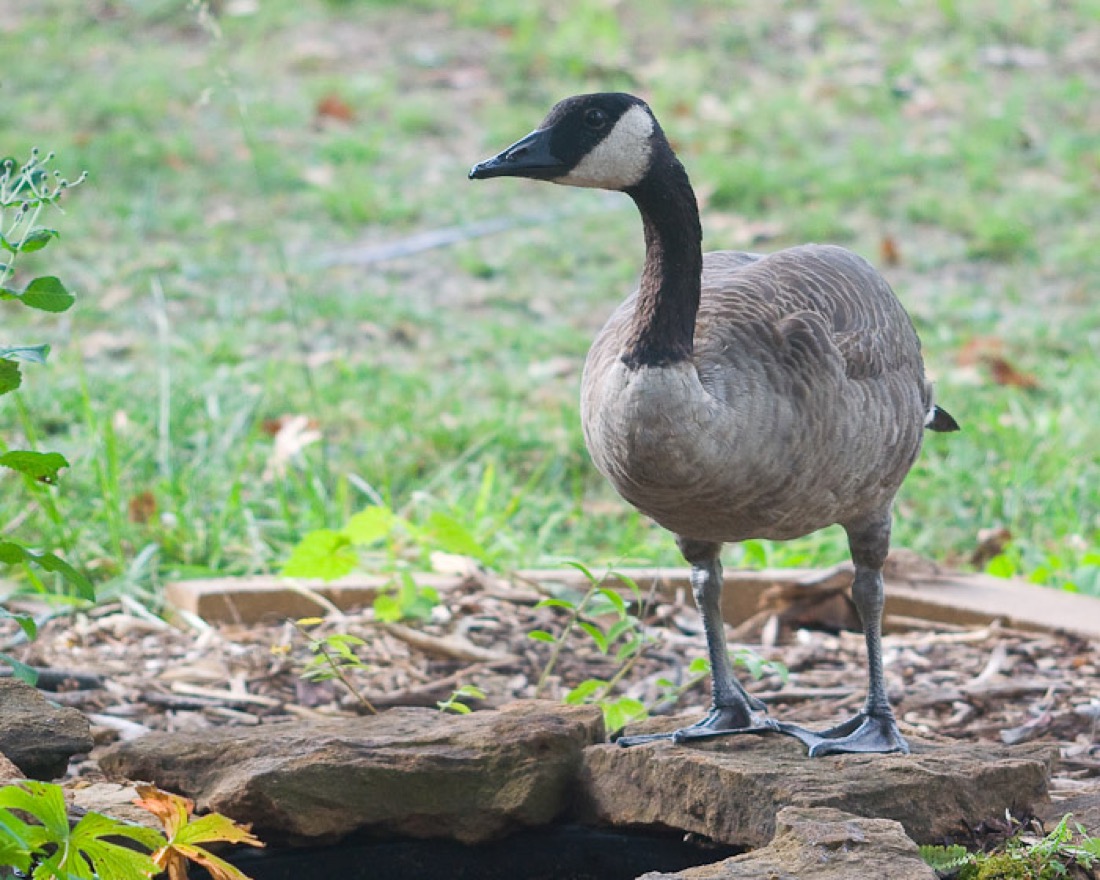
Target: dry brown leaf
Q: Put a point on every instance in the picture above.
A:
(977, 349)
(334, 107)
(1004, 373)
(888, 248)
(142, 507)
(991, 543)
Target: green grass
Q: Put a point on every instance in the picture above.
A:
(199, 246)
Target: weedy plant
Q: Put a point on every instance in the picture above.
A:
(603, 614)
(333, 656)
(98, 847)
(26, 190)
(456, 702)
(383, 540)
(1065, 852)
(607, 619)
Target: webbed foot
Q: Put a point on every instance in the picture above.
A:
(861, 733)
(717, 722)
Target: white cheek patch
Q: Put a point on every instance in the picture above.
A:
(621, 159)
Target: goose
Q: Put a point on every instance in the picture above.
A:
(740, 395)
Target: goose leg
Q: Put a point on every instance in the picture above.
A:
(733, 710)
(874, 728)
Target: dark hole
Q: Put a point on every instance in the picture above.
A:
(558, 853)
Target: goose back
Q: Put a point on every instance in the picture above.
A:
(803, 404)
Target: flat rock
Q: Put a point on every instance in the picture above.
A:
(37, 736)
(731, 790)
(108, 799)
(821, 843)
(415, 772)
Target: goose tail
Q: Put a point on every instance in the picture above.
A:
(940, 420)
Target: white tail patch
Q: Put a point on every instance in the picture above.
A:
(621, 159)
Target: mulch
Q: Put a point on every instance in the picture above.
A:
(131, 672)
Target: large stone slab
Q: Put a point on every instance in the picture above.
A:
(731, 790)
(37, 736)
(821, 844)
(416, 772)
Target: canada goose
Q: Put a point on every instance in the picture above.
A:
(737, 395)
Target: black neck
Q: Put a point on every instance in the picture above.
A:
(663, 328)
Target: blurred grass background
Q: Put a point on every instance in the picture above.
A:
(257, 166)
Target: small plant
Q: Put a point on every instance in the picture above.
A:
(26, 190)
(333, 655)
(604, 616)
(454, 703)
(98, 847)
(1064, 852)
(329, 554)
(945, 860)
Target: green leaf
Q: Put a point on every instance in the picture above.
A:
(25, 621)
(32, 354)
(10, 377)
(12, 554)
(43, 800)
(41, 466)
(1001, 566)
(14, 851)
(47, 294)
(370, 525)
(20, 670)
(944, 859)
(471, 691)
(619, 713)
(583, 691)
(699, 666)
(630, 648)
(597, 634)
(583, 569)
(323, 553)
(555, 603)
(614, 598)
(619, 627)
(541, 635)
(37, 239)
(631, 584)
(451, 536)
(387, 609)
(109, 860)
(5, 244)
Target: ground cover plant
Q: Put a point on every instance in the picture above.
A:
(265, 345)
(37, 838)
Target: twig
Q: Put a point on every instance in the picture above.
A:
(448, 646)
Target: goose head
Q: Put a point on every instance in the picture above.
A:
(606, 140)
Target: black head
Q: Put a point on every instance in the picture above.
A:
(603, 140)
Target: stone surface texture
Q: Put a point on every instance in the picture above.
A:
(416, 772)
(821, 843)
(37, 736)
(732, 789)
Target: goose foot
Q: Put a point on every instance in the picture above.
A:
(862, 733)
(717, 722)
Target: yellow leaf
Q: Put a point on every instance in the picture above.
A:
(184, 833)
(172, 810)
(219, 869)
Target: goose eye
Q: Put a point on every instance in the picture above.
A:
(595, 118)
